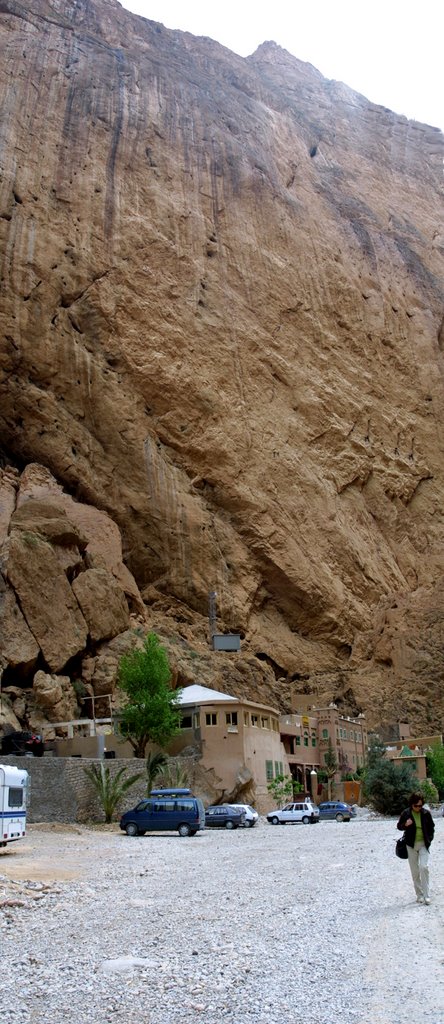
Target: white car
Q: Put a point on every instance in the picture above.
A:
(251, 816)
(303, 811)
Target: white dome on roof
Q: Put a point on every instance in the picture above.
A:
(196, 694)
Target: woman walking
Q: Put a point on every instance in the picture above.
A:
(418, 826)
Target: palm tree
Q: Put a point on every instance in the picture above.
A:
(155, 763)
(174, 776)
(110, 789)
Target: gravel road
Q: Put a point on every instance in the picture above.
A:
(309, 924)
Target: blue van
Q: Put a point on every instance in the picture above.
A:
(165, 810)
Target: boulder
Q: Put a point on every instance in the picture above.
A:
(102, 602)
(19, 648)
(46, 598)
(55, 696)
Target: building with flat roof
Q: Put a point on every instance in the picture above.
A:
(238, 739)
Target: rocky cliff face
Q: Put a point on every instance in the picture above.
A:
(222, 326)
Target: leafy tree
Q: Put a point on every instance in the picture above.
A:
(110, 788)
(331, 765)
(155, 763)
(297, 787)
(152, 712)
(388, 787)
(281, 788)
(435, 766)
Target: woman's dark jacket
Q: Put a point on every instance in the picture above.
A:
(427, 825)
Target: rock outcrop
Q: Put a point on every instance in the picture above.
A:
(55, 608)
(222, 333)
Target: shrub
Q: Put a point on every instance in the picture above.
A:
(388, 787)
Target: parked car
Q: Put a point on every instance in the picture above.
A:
(251, 816)
(224, 816)
(304, 811)
(23, 743)
(165, 810)
(334, 810)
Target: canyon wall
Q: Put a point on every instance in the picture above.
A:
(222, 327)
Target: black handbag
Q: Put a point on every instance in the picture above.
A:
(401, 849)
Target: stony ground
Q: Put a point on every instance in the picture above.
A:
(296, 925)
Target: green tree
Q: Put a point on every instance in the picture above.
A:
(435, 766)
(331, 765)
(155, 763)
(174, 776)
(281, 788)
(388, 787)
(110, 788)
(152, 712)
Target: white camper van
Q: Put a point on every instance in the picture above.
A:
(13, 793)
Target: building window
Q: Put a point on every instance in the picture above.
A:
(265, 722)
(269, 771)
(313, 741)
(231, 717)
(325, 734)
(305, 741)
(211, 718)
(255, 721)
(298, 741)
(276, 768)
(186, 722)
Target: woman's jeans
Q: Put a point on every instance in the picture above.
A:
(419, 866)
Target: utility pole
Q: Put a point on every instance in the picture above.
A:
(212, 612)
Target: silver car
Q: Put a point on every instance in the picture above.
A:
(251, 816)
(303, 811)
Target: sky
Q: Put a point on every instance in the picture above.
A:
(391, 51)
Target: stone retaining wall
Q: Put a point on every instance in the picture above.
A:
(60, 790)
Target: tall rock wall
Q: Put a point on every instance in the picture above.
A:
(222, 324)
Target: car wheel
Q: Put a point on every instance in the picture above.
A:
(275, 821)
(248, 824)
(131, 829)
(184, 829)
(229, 824)
(305, 820)
(339, 816)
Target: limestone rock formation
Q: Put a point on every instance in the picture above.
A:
(222, 334)
(55, 696)
(55, 608)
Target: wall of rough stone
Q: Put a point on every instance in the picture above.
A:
(60, 790)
